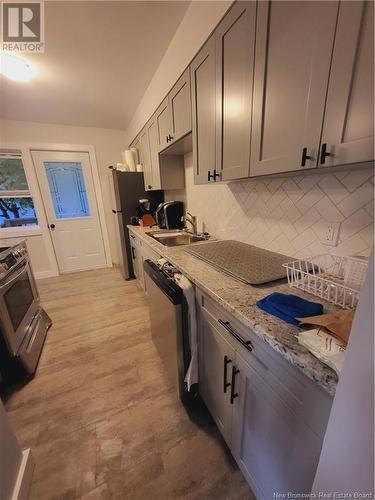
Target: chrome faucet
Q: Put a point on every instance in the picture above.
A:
(192, 220)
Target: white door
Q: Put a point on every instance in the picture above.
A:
(67, 188)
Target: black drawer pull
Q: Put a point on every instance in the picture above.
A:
(233, 393)
(226, 383)
(324, 153)
(245, 343)
(305, 157)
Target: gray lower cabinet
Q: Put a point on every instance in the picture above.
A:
(348, 130)
(276, 451)
(203, 101)
(292, 63)
(180, 107)
(216, 358)
(235, 43)
(272, 417)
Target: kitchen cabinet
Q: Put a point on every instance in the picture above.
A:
(162, 120)
(136, 256)
(292, 64)
(153, 143)
(180, 108)
(216, 358)
(144, 156)
(348, 130)
(272, 417)
(276, 451)
(203, 97)
(235, 44)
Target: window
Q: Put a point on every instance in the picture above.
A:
(68, 189)
(16, 204)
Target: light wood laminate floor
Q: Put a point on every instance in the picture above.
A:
(99, 415)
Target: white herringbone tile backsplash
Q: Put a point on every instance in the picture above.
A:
(287, 214)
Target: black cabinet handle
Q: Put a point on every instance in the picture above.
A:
(245, 343)
(133, 252)
(167, 138)
(149, 186)
(213, 175)
(170, 137)
(116, 211)
(52, 226)
(226, 383)
(233, 393)
(305, 157)
(324, 153)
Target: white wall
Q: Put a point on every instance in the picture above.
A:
(347, 460)
(287, 214)
(108, 145)
(199, 21)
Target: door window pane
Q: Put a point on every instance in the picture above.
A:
(68, 189)
(17, 212)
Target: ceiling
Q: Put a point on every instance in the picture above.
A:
(99, 58)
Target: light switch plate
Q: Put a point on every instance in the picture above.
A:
(330, 234)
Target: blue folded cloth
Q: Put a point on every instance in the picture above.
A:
(288, 307)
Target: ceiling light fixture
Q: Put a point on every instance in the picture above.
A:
(16, 68)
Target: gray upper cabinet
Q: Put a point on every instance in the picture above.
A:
(216, 358)
(153, 141)
(235, 44)
(144, 156)
(203, 96)
(348, 131)
(163, 123)
(180, 107)
(292, 63)
(276, 450)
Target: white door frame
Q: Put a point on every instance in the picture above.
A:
(26, 148)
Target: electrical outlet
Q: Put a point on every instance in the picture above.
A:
(330, 234)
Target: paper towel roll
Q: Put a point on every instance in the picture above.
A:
(129, 160)
(135, 154)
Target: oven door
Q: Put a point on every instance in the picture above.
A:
(18, 305)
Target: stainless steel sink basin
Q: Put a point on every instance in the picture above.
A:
(175, 238)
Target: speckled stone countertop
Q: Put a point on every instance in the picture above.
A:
(240, 300)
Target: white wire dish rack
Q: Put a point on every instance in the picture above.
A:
(331, 277)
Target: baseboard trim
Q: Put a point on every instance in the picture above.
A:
(25, 473)
(44, 274)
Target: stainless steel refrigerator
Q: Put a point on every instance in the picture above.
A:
(129, 189)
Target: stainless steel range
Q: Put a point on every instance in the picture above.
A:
(23, 323)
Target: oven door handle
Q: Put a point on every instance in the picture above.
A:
(14, 278)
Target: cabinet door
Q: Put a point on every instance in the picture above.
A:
(180, 107)
(163, 124)
(348, 131)
(216, 358)
(235, 43)
(137, 145)
(203, 94)
(145, 159)
(292, 61)
(276, 451)
(153, 139)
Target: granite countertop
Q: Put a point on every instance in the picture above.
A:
(240, 300)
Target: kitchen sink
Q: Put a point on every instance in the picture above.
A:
(175, 238)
